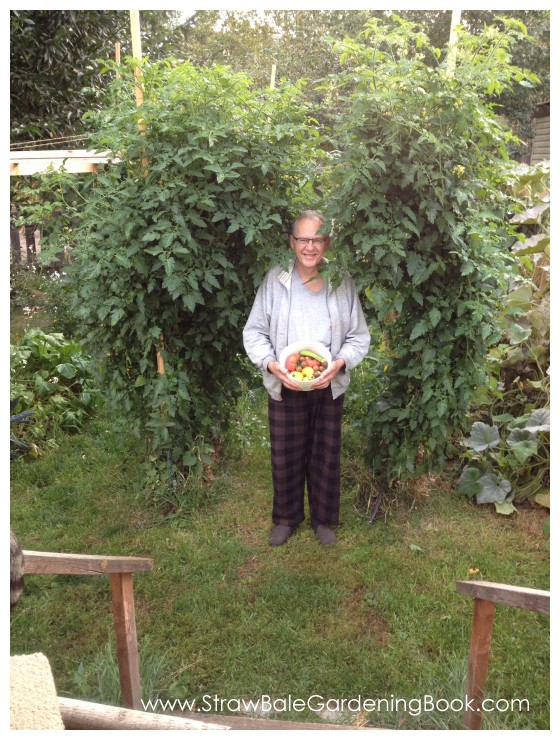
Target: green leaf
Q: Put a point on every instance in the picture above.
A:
(66, 370)
(434, 316)
(469, 482)
(539, 421)
(521, 297)
(517, 334)
(524, 449)
(483, 437)
(535, 244)
(505, 507)
(543, 499)
(531, 215)
(415, 548)
(189, 459)
(492, 491)
(419, 329)
(501, 418)
(116, 316)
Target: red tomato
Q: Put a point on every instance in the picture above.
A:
(291, 362)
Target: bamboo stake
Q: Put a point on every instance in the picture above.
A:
(137, 54)
(139, 92)
(452, 53)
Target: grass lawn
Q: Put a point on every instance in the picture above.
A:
(224, 614)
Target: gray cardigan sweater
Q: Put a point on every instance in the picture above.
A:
(266, 332)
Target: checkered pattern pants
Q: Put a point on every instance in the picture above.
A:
(305, 439)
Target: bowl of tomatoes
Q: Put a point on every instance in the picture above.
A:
(305, 361)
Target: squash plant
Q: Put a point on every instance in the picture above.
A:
(420, 206)
(508, 450)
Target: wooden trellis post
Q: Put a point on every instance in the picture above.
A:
(452, 53)
(139, 93)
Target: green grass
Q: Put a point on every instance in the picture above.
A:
(224, 613)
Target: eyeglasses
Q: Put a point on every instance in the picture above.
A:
(310, 240)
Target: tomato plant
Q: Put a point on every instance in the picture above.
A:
(174, 237)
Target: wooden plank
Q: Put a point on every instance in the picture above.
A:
(479, 657)
(62, 563)
(30, 162)
(88, 154)
(87, 715)
(127, 648)
(241, 722)
(531, 599)
(24, 169)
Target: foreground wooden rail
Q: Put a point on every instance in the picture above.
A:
(85, 715)
(120, 571)
(486, 595)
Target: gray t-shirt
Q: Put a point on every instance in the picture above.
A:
(309, 316)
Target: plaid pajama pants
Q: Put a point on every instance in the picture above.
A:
(305, 439)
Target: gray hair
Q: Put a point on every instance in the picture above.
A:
(313, 215)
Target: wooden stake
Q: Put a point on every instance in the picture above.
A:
(118, 58)
(273, 76)
(137, 54)
(479, 657)
(452, 53)
(139, 92)
(127, 648)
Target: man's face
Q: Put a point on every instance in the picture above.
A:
(309, 253)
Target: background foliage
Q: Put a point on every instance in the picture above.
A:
(55, 64)
(55, 55)
(51, 377)
(298, 42)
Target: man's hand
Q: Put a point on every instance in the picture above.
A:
(328, 375)
(283, 375)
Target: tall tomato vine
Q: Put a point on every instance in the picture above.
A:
(175, 236)
(419, 202)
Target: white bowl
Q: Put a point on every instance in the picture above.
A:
(316, 347)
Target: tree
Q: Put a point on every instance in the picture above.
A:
(55, 74)
(53, 68)
(251, 41)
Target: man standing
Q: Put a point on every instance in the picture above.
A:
(305, 427)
